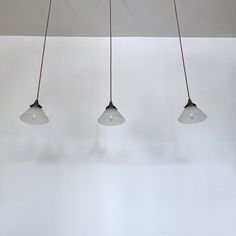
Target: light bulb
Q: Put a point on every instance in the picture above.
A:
(191, 116)
(34, 116)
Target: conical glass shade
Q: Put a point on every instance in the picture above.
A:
(34, 115)
(192, 114)
(111, 116)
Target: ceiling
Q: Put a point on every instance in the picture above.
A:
(149, 18)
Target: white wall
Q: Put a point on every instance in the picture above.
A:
(150, 177)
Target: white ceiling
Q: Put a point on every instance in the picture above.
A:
(202, 18)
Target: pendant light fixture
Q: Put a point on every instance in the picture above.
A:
(35, 114)
(111, 116)
(191, 114)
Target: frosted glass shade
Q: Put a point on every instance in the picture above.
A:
(34, 115)
(192, 114)
(111, 116)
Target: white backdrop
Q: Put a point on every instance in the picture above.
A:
(150, 177)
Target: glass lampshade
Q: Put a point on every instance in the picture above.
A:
(111, 116)
(192, 114)
(34, 115)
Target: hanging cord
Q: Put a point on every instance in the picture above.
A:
(181, 48)
(110, 35)
(44, 45)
